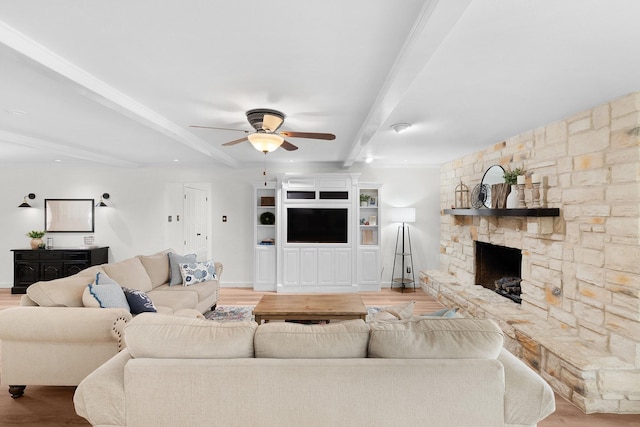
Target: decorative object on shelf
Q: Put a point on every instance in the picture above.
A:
(499, 194)
(536, 180)
(521, 183)
(364, 199)
(267, 218)
(512, 198)
(49, 244)
(403, 247)
(478, 195)
(36, 239)
(26, 204)
(101, 203)
(372, 201)
(461, 196)
(267, 201)
(89, 241)
(511, 175)
(493, 175)
(373, 220)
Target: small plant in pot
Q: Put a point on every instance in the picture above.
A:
(364, 199)
(511, 176)
(36, 239)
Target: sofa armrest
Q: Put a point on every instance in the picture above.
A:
(219, 267)
(63, 324)
(528, 398)
(100, 397)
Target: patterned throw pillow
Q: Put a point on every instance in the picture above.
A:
(139, 301)
(108, 293)
(175, 260)
(196, 272)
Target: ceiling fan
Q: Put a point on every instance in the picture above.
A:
(266, 139)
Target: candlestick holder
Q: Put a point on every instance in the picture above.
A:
(536, 195)
(521, 203)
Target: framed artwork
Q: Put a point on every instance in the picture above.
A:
(69, 216)
(372, 201)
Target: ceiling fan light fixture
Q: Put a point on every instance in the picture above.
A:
(400, 127)
(265, 142)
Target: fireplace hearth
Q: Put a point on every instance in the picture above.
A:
(499, 268)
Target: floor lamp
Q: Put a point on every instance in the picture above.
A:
(403, 248)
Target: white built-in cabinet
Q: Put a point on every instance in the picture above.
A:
(264, 234)
(284, 265)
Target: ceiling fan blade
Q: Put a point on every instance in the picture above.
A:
(271, 123)
(209, 127)
(311, 135)
(288, 146)
(234, 142)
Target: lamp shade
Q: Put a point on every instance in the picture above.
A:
(265, 142)
(403, 215)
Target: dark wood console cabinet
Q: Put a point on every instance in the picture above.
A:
(33, 265)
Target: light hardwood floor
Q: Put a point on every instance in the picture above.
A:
(53, 406)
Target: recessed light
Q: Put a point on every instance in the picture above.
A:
(368, 160)
(176, 160)
(400, 127)
(57, 160)
(17, 112)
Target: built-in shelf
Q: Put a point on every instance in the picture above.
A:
(540, 212)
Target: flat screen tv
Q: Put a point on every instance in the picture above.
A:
(317, 225)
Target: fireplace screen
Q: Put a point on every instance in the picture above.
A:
(499, 268)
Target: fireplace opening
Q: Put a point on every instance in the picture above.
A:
(499, 268)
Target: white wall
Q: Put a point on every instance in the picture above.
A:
(141, 199)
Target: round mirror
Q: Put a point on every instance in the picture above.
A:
(493, 175)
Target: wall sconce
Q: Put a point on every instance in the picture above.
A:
(26, 204)
(102, 204)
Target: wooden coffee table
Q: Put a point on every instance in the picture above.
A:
(310, 307)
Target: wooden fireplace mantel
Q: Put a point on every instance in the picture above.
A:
(532, 212)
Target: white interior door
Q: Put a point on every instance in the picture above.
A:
(195, 222)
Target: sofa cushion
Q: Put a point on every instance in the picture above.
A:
(286, 340)
(175, 277)
(436, 338)
(108, 292)
(400, 311)
(138, 301)
(66, 291)
(129, 273)
(174, 300)
(197, 272)
(157, 267)
(162, 336)
(204, 289)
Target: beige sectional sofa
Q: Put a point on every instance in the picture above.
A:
(418, 372)
(59, 334)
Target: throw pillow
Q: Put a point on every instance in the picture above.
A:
(139, 302)
(108, 293)
(397, 312)
(175, 277)
(196, 272)
(445, 312)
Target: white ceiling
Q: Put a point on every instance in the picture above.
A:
(119, 82)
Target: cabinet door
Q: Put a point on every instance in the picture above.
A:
(342, 265)
(309, 267)
(73, 267)
(291, 264)
(26, 272)
(325, 267)
(50, 270)
(368, 265)
(265, 266)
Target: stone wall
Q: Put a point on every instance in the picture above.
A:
(580, 271)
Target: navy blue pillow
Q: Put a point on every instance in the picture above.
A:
(139, 302)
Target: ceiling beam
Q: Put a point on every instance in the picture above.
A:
(435, 21)
(41, 144)
(93, 88)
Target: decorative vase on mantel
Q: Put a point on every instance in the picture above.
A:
(512, 198)
(35, 243)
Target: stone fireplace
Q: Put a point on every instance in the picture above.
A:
(579, 321)
(499, 268)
